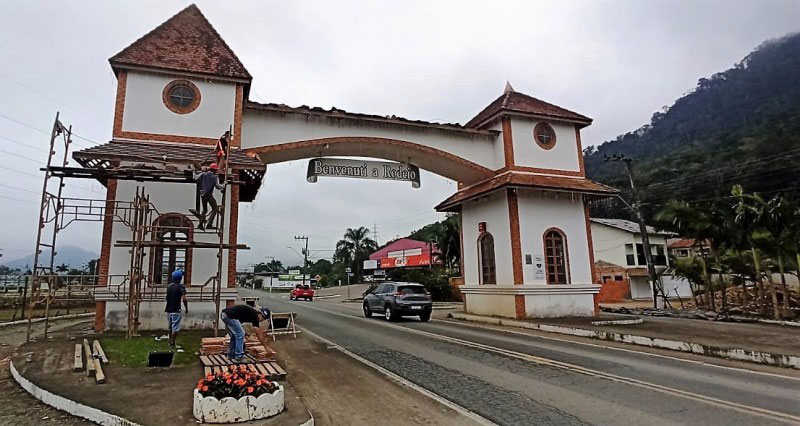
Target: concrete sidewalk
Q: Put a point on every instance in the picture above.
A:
(751, 342)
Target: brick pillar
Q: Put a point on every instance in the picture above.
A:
(105, 253)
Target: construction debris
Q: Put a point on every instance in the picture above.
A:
(252, 347)
(95, 358)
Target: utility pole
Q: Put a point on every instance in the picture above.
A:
(305, 256)
(636, 208)
(270, 270)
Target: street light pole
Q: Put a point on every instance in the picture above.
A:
(270, 270)
(637, 212)
(305, 256)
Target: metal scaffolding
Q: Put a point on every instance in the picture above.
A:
(57, 212)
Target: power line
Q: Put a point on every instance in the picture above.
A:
(50, 97)
(19, 189)
(21, 156)
(17, 199)
(23, 144)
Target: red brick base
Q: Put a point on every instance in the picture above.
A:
(100, 317)
(519, 306)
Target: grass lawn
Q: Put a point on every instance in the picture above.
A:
(133, 352)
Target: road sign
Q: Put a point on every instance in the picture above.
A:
(348, 270)
(362, 169)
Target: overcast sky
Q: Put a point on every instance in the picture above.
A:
(615, 61)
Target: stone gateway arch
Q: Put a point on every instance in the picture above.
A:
(523, 194)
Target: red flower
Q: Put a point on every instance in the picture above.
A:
(205, 389)
(250, 389)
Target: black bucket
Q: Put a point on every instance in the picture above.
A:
(160, 359)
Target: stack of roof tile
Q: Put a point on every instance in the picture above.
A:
(252, 347)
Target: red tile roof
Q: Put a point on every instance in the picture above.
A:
(403, 244)
(185, 42)
(685, 243)
(525, 180)
(512, 101)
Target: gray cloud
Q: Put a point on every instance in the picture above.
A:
(616, 61)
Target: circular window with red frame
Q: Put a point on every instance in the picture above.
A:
(181, 96)
(544, 135)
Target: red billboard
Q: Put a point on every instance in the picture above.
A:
(400, 262)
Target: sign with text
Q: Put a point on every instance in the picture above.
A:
(362, 169)
(371, 264)
(538, 267)
(399, 262)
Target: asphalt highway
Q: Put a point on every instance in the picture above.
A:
(513, 378)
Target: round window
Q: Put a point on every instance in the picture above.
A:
(181, 96)
(544, 135)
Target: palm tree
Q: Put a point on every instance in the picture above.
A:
(354, 248)
(782, 214)
(751, 215)
(697, 223)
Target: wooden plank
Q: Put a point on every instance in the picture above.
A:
(205, 360)
(261, 369)
(98, 352)
(270, 371)
(252, 368)
(77, 364)
(281, 371)
(89, 360)
(215, 360)
(99, 376)
(207, 370)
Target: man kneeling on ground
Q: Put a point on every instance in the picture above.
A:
(176, 293)
(233, 318)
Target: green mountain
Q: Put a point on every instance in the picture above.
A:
(741, 126)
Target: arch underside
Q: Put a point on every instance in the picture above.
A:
(431, 159)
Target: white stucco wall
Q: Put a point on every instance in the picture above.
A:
(263, 128)
(527, 153)
(609, 244)
(145, 110)
(494, 211)
(498, 147)
(167, 198)
(540, 211)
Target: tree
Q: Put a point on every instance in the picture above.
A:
(752, 216)
(354, 248)
(696, 223)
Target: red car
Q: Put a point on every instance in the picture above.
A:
(301, 291)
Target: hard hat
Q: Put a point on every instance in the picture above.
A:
(177, 276)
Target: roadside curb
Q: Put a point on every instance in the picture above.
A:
(60, 403)
(24, 321)
(738, 354)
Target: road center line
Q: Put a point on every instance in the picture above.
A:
(747, 409)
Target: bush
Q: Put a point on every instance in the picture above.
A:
(434, 280)
(237, 382)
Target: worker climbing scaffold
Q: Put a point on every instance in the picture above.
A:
(148, 234)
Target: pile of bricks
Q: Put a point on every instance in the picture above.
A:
(252, 347)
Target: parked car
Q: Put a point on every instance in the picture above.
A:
(301, 291)
(398, 299)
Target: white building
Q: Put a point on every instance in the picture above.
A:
(619, 242)
(522, 192)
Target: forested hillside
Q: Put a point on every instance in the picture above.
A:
(737, 126)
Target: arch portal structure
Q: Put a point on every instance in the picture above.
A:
(511, 184)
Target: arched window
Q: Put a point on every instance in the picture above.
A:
(555, 255)
(165, 260)
(486, 256)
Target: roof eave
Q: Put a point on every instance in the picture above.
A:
(494, 117)
(117, 65)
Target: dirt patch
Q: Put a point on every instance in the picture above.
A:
(17, 407)
(340, 390)
(144, 395)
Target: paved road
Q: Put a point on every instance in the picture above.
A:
(517, 378)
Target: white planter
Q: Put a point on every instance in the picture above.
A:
(230, 410)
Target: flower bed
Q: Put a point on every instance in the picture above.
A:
(236, 395)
